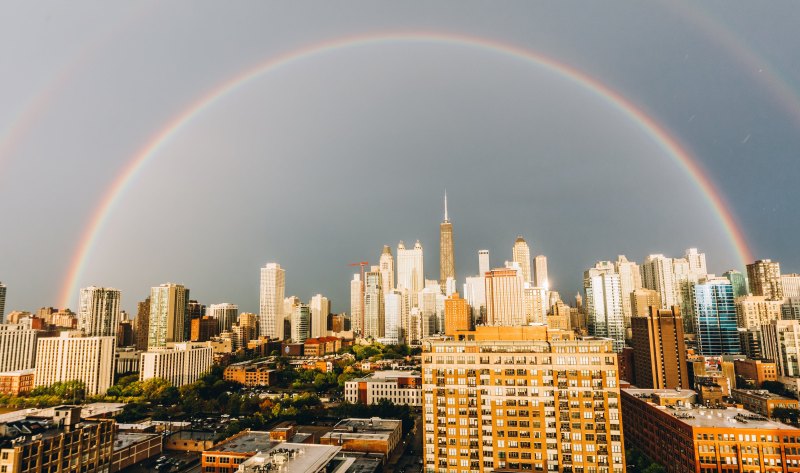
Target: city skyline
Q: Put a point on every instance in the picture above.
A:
(537, 121)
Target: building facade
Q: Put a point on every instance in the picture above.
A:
(659, 350)
(168, 318)
(399, 387)
(715, 318)
(72, 357)
(764, 279)
(179, 363)
(604, 303)
(273, 288)
(521, 254)
(98, 311)
(17, 347)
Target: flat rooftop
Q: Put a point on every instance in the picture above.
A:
(373, 425)
(253, 441)
(95, 409)
(124, 440)
(291, 457)
(761, 394)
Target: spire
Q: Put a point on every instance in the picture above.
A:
(445, 206)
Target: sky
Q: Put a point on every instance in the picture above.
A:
(319, 162)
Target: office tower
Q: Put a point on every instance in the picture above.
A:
(791, 285)
(521, 399)
(715, 318)
(659, 350)
(386, 264)
(195, 310)
(179, 364)
(658, 273)
(483, 262)
(357, 305)
(273, 287)
(535, 303)
(204, 328)
(447, 259)
(17, 347)
(124, 333)
(754, 311)
(71, 357)
(697, 261)
(374, 322)
(504, 297)
(764, 278)
(393, 317)
(410, 274)
(738, 281)
(320, 308)
(641, 300)
(226, 315)
(604, 303)
(168, 317)
(781, 343)
(142, 324)
(2, 302)
(630, 279)
(456, 315)
(301, 323)
(98, 311)
(521, 254)
(429, 309)
(248, 326)
(540, 278)
(475, 294)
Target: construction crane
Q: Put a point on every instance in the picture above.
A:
(361, 319)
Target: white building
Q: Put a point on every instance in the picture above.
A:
(357, 305)
(483, 262)
(754, 311)
(540, 278)
(178, 363)
(17, 347)
(320, 308)
(126, 360)
(781, 342)
(74, 357)
(475, 294)
(630, 279)
(393, 318)
(226, 314)
(399, 387)
(790, 283)
(521, 254)
(386, 265)
(98, 311)
(273, 288)
(374, 322)
(535, 302)
(410, 270)
(604, 303)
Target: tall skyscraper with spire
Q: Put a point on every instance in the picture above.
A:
(447, 260)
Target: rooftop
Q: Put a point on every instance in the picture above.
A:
(294, 457)
(762, 394)
(126, 439)
(253, 441)
(375, 424)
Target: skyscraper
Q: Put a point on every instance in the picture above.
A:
(410, 270)
(791, 285)
(273, 288)
(738, 281)
(301, 320)
(168, 317)
(754, 311)
(504, 297)
(483, 262)
(447, 259)
(697, 261)
(71, 357)
(630, 279)
(764, 277)
(393, 316)
(374, 323)
(641, 300)
(540, 278)
(2, 303)
(98, 311)
(781, 342)
(320, 308)
(456, 315)
(142, 324)
(521, 255)
(715, 318)
(386, 264)
(604, 303)
(659, 350)
(658, 275)
(226, 315)
(357, 305)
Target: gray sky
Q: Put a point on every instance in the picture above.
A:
(320, 163)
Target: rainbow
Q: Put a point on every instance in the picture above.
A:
(643, 121)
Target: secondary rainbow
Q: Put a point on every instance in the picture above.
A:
(657, 133)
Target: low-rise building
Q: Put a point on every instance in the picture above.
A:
(250, 373)
(685, 438)
(756, 371)
(293, 458)
(126, 360)
(17, 382)
(228, 454)
(762, 401)
(399, 387)
(72, 357)
(131, 448)
(321, 346)
(373, 435)
(178, 363)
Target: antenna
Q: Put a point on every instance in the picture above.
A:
(445, 206)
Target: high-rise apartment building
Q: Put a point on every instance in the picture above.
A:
(754, 311)
(715, 318)
(642, 299)
(447, 258)
(410, 270)
(535, 303)
(604, 303)
(301, 322)
(17, 347)
(142, 324)
(457, 315)
(521, 254)
(247, 328)
(790, 309)
(540, 277)
(630, 279)
(168, 316)
(521, 399)
(475, 294)
(659, 350)
(357, 305)
(393, 318)
(273, 287)
(178, 363)
(790, 283)
(764, 278)
(374, 322)
(484, 264)
(226, 314)
(504, 297)
(658, 274)
(202, 329)
(320, 308)
(71, 357)
(738, 281)
(98, 311)
(2, 303)
(386, 264)
(781, 343)
(697, 261)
